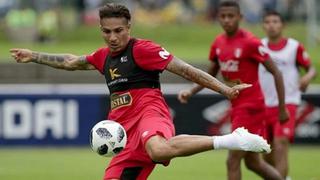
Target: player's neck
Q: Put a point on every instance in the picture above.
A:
(275, 40)
(233, 33)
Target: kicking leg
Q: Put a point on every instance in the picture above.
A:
(160, 149)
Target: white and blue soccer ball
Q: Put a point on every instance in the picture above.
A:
(108, 138)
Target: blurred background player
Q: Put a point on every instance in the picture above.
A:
(237, 53)
(288, 55)
(131, 68)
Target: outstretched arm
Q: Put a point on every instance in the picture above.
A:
(60, 61)
(202, 78)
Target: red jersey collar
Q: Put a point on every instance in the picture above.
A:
(278, 45)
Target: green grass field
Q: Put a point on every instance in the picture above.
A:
(189, 42)
(83, 164)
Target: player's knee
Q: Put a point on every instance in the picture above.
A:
(233, 162)
(250, 165)
(281, 144)
(158, 149)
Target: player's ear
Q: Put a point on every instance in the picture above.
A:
(241, 16)
(129, 26)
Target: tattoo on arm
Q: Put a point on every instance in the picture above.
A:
(198, 76)
(43, 58)
(62, 61)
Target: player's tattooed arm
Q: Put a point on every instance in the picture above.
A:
(185, 94)
(202, 78)
(61, 61)
(212, 70)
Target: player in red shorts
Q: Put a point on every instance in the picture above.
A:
(237, 54)
(288, 54)
(131, 68)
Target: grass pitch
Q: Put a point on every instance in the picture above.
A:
(83, 164)
(190, 42)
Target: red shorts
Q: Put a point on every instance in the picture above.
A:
(252, 119)
(134, 162)
(275, 129)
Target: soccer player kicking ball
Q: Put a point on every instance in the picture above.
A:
(288, 54)
(131, 68)
(237, 54)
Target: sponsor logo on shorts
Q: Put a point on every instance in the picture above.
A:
(286, 131)
(120, 100)
(144, 134)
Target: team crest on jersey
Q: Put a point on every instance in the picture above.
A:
(237, 52)
(124, 59)
(218, 51)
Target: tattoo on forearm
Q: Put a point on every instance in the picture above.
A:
(44, 58)
(62, 61)
(203, 79)
(197, 76)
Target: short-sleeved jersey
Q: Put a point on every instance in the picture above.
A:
(149, 57)
(239, 57)
(288, 54)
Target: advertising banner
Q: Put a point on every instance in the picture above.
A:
(66, 119)
(49, 119)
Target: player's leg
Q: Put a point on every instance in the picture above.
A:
(132, 162)
(134, 173)
(234, 164)
(255, 163)
(280, 151)
(269, 158)
(283, 135)
(271, 120)
(161, 149)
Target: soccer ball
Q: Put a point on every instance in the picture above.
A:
(108, 138)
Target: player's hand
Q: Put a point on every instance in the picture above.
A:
(184, 96)
(235, 90)
(283, 115)
(21, 55)
(304, 83)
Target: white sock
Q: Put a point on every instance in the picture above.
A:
(226, 142)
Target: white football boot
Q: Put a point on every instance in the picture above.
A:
(250, 142)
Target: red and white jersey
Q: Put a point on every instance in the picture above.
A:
(286, 54)
(239, 57)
